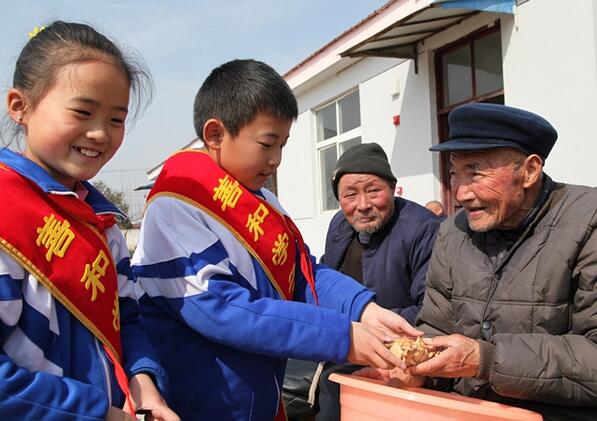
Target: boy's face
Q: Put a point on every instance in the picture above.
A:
(256, 152)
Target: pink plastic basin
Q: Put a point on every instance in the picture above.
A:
(363, 399)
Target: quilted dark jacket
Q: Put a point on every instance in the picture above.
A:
(537, 306)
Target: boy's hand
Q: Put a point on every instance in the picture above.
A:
(388, 321)
(395, 377)
(147, 399)
(367, 347)
(116, 414)
(460, 357)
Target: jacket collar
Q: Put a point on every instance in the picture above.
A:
(40, 177)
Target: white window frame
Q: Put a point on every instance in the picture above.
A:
(333, 141)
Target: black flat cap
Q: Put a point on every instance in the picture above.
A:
(366, 158)
(490, 126)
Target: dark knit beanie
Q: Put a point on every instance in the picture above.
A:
(366, 158)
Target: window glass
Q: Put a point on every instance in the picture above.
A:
(272, 183)
(326, 122)
(327, 161)
(469, 70)
(458, 81)
(338, 128)
(488, 64)
(348, 144)
(350, 112)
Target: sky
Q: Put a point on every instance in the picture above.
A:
(181, 41)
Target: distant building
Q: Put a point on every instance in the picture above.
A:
(155, 171)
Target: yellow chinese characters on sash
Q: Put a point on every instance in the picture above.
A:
(67, 254)
(271, 237)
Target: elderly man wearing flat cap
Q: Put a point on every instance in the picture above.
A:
(511, 290)
(382, 241)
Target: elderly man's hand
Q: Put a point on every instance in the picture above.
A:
(388, 322)
(395, 377)
(459, 358)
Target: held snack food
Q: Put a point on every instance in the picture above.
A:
(412, 351)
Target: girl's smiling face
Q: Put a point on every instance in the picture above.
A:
(78, 125)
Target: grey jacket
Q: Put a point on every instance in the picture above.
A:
(533, 306)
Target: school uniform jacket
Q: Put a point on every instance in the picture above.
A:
(221, 329)
(51, 365)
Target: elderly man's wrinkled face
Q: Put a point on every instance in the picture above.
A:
(490, 187)
(366, 200)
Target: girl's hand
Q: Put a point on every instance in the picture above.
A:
(116, 414)
(147, 399)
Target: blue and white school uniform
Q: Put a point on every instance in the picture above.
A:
(221, 329)
(51, 366)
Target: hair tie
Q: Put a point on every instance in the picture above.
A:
(36, 31)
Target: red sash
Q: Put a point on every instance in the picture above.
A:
(59, 240)
(270, 237)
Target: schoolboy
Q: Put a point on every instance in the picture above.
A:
(230, 290)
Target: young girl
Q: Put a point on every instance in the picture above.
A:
(69, 336)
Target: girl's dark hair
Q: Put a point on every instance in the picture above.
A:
(64, 43)
(236, 91)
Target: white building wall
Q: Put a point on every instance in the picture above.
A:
(296, 174)
(407, 144)
(550, 67)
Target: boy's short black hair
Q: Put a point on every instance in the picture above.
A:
(237, 91)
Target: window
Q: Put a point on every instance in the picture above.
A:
(472, 70)
(469, 70)
(272, 183)
(338, 128)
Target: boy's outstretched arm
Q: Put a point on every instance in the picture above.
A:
(388, 321)
(367, 348)
(385, 326)
(195, 271)
(342, 293)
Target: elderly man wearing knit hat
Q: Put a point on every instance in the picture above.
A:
(382, 241)
(512, 284)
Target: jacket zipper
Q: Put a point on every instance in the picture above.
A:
(498, 269)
